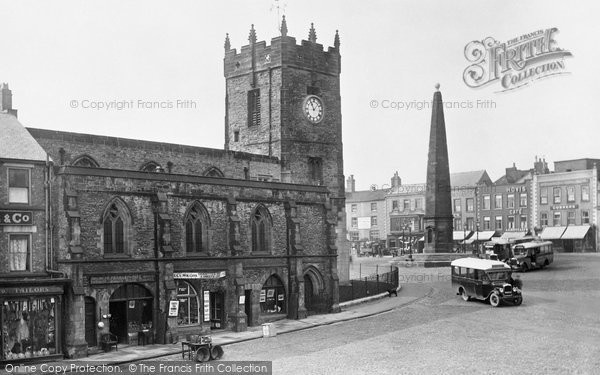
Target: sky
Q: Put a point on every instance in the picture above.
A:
(61, 56)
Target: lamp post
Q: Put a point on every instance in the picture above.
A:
(478, 248)
(464, 237)
(410, 244)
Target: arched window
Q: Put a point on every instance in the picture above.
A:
(260, 224)
(151, 166)
(189, 312)
(85, 161)
(116, 223)
(213, 172)
(272, 296)
(197, 223)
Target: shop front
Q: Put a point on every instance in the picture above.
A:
(130, 310)
(30, 317)
(273, 304)
(200, 301)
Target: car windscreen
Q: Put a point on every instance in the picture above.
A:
(520, 250)
(498, 275)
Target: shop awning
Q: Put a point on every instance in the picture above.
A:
(575, 232)
(552, 233)
(422, 239)
(459, 235)
(482, 236)
(513, 235)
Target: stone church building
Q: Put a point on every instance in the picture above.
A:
(154, 241)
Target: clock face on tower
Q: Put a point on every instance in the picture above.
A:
(313, 109)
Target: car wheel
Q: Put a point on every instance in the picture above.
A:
(463, 295)
(524, 267)
(494, 299)
(518, 301)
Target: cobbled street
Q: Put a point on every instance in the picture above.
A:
(555, 330)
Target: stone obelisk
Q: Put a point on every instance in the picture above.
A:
(438, 201)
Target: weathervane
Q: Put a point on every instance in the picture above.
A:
(280, 7)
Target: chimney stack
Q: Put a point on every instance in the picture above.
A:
(396, 180)
(6, 100)
(350, 184)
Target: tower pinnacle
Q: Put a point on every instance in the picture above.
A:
(227, 43)
(336, 40)
(252, 36)
(283, 29)
(312, 35)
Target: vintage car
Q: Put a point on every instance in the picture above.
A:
(485, 279)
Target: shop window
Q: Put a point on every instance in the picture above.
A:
(19, 252)
(29, 328)
(85, 161)
(18, 185)
(116, 226)
(196, 229)
(272, 296)
(189, 313)
(261, 229)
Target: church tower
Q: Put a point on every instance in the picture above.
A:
(283, 100)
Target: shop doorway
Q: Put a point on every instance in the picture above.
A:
(90, 321)
(248, 306)
(130, 308)
(217, 302)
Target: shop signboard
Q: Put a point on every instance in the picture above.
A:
(16, 217)
(206, 306)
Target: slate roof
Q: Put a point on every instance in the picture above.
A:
(16, 142)
(365, 196)
(472, 178)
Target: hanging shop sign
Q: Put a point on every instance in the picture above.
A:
(206, 306)
(199, 275)
(16, 218)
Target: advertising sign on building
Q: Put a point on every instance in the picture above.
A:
(173, 308)
(206, 306)
(16, 218)
(199, 275)
(364, 222)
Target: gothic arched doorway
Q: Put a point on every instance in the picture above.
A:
(130, 308)
(309, 292)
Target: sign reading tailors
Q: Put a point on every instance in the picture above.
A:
(206, 306)
(16, 218)
(199, 275)
(173, 308)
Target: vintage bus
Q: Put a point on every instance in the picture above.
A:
(530, 255)
(485, 279)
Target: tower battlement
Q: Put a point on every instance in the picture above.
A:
(283, 50)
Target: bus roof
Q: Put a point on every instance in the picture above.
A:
(529, 245)
(479, 264)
